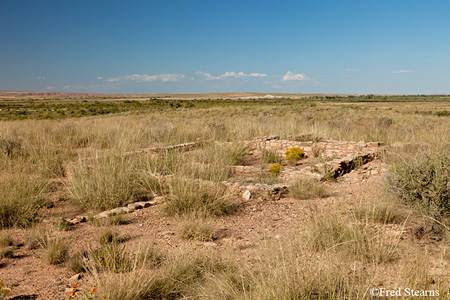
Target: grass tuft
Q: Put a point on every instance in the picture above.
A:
(196, 229)
(307, 188)
(197, 197)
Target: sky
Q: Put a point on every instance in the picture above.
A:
(193, 46)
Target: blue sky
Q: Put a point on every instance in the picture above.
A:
(363, 46)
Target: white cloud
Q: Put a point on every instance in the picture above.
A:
(402, 71)
(230, 75)
(50, 87)
(146, 78)
(289, 76)
(99, 78)
(74, 87)
(40, 77)
(352, 70)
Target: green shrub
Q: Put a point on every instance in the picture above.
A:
(275, 170)
(424, 182)
(294, 154)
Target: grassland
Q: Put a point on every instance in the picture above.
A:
(331, 240)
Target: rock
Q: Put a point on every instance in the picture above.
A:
(81, 218)
(121, 210)
(247, 195)
(104, 214)
(210, 244)
(158, 199)
(135, 206)
(58, 281)
(75, 277)
(167, 233)
(69, 290)
(144, 204)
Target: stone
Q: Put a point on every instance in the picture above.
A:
(210, 244)
(58, 281)
(158, 199)
(75, 277)
(168, 233)
(135, 206)
(121, 210)
(104, 214)
(81, 218)
(145, 204)
(247, 195)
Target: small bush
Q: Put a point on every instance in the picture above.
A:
(271, 157)
(307, 188)
(10, 146)
(189, 196)
(20, 200)
(196, 229)
(329, 232)
(6, 239)
(443, 113)
(105, 184)
(7, 252)
(294, 154)
(56, 250)
(383, 212)
(36, 238)
(424, 182)
(77, 262)
(112, 257)
(61, 224)
(275, 170)
(105, 235)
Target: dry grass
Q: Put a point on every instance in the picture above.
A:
(330, 232)
(6, 239)
(196, 228)
(105, 235)
(55, 250)
(315, 267)
(197, 197)
(307, 188)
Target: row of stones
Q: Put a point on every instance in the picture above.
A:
(117, 211)
(336, 167)
(328, 148)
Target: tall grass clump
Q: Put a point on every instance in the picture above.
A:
(55, 250)
(213, 162)
(271, 157)
(282, 273)
(331, 233)
(192, 228)
(104, 183)
(20, 199)
(423, 181)
(190, 196)
(307, 188)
